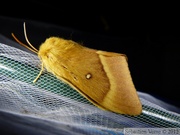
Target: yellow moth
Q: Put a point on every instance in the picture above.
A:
(101, 77)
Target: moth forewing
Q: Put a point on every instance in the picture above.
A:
(122, 97)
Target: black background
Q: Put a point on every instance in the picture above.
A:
(147, 32)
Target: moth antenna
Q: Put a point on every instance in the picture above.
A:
(27, 38)
(33, 48)
(23, 43)
(42, 68)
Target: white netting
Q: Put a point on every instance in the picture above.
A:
(52, 100)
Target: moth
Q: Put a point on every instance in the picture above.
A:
(102, 77)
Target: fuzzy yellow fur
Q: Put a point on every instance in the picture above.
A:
(102, 77)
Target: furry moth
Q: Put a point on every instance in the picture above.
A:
(101, 77)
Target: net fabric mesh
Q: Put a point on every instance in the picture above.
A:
(51, 99)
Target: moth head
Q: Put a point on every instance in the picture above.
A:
(58, 43)
(50, 49)
(53, 47)
(56, 47)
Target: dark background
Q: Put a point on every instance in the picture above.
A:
(148, 33)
